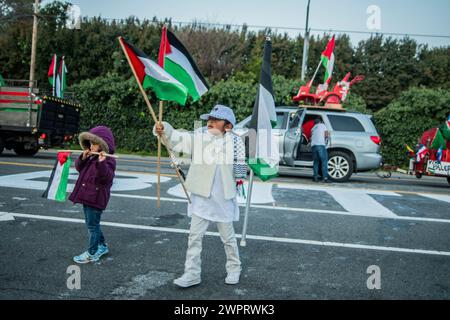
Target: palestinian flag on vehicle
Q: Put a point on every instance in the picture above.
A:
(438, 140)
(61, 82)
(446, 129)
(328, 61)
(52, 71)
(176, 60)
(57, 185)
(263, 150)
(151, 75)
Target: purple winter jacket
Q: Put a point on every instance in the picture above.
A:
(93, 187)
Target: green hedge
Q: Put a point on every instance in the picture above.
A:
(405, 119)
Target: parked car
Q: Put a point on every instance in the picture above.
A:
(354, 144)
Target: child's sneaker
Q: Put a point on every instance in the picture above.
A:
(232, 278)
(187, 280)
(101, 250)
(85, 257)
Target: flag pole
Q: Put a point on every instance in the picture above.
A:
(315, 73)
(92, 152)
(247, 207)
(152, 112)
(55, 66)
(158, 190)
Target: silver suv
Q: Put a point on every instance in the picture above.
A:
(354, 144)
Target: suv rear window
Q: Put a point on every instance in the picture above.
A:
(343, 123)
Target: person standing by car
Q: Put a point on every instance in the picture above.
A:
(319, 137)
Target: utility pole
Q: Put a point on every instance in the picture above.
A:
(34, 43)
(305, 45)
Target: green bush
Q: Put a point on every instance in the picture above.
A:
(405, 119)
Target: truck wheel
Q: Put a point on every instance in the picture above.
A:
(340, 166)
(448, 180)
(21, 151)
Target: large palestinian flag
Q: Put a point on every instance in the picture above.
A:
(328, 61)
(57, 185)
(263, 150)
(52, 70)
(151, 75)
(177, 61)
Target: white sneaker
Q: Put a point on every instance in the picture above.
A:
(187, 280)
(232, 278)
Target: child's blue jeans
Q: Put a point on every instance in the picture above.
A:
(96, 238)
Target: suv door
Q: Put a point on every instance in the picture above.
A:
(292, 137)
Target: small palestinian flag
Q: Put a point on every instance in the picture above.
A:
(52, 72)
(446, 129)
(151, 75)
(176, 60)
(438, 140)
(328, 61)
(57, 185)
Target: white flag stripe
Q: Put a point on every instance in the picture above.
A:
(154, 70)
(55, 182)
(264, 150)
(330, 65)
(180, 59)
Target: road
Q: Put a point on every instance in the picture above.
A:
(369, 238)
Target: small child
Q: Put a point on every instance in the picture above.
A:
(93, 187)
(218, 159)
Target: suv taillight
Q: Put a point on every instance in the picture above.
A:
(376, 139)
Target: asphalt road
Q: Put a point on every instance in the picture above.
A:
(305, 240)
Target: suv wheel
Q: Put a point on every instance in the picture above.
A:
(340, 166)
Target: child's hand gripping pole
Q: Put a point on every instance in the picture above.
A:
(174, 163)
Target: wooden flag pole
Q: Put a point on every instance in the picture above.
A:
(152, 112)
(94, 153)
(158, 190)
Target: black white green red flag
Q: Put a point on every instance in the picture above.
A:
(61, 82)
(57, 185)
(263, 149)
(328, 61)
(52, 72)
(151, 75)
(176, 60)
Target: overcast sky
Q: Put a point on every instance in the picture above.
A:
(396, 16)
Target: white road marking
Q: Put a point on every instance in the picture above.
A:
(352, 200)
(6, 216)
(253, 237)
(124, 181)
(299, 210)
(439, 197)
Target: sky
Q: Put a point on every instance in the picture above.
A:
(395, 16)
